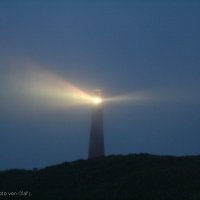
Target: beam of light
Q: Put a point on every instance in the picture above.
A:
(55, 90)
(36, 87)
(132, 98)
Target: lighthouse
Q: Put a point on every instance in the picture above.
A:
(96, 141)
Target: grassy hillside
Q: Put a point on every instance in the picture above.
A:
(136, 176)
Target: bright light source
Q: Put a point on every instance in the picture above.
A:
(97, 100)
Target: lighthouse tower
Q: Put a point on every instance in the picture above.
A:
(96, 144)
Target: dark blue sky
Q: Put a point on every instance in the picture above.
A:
(123, 47)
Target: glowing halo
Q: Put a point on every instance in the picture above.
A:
(97, 100)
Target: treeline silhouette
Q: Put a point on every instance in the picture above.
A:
(131, 177)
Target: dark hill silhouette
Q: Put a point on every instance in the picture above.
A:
(136, 176)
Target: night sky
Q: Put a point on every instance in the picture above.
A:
(150, 48)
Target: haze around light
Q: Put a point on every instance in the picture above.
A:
(40, 88)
